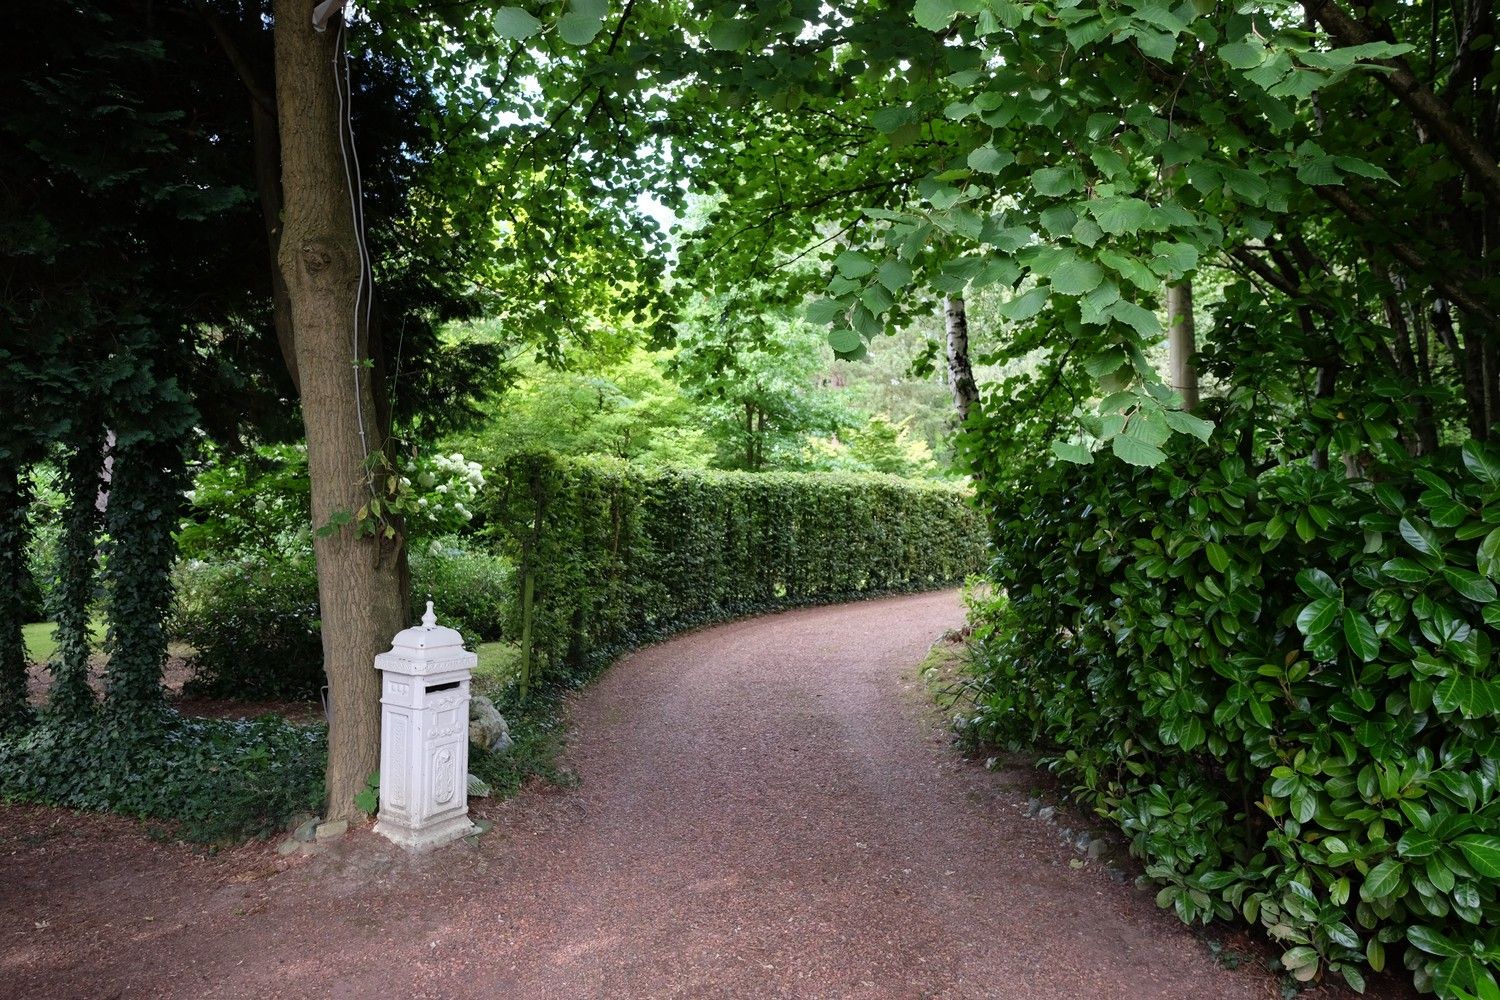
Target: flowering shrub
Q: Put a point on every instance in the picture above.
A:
(438, 494)
(259, 503)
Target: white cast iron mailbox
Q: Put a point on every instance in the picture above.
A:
(424, 736)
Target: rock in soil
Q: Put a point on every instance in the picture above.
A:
(337, 828)
(487, 727)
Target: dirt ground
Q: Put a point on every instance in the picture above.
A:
(765, 809)
(175, 675)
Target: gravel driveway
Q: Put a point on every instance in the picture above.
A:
(765, 809)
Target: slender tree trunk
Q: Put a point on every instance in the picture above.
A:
(1426, 422)
(358, 575)
(960, 371)
(1327, 384)
(1182, 343)
(77, 562)
(145, 479)
(1471, 366)
(760, 440)
(15, 496)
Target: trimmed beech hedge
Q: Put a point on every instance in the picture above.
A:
(621, 556)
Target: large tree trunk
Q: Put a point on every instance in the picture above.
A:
(319, 255)
(960, 371)
(1182, 342)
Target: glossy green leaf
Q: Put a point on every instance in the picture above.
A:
(1481, 461)
(1318, 617)
(1420, 536)
(1482, 851)
(1360, 635)
(1470, 584)
(1384, 880)
(1316, 583)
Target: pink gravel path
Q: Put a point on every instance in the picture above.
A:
(766, 809)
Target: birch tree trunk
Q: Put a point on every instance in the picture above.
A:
(319, 258)
(1182, 343)
(960, 371)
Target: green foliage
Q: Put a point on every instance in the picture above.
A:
(14, 708)
(880, 445)
(538, 729)
(1281, 686)
(217, 780)
(626, 408)
(623, 557)
(142, 512)
(753, 371)
(471, 589)
(76, 577)
(254, 623)
(255, 502)
(253, 626)
(367, 799)
(258, 505)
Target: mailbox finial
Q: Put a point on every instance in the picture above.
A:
(429, 620)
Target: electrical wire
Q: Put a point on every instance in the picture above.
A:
(354, 185)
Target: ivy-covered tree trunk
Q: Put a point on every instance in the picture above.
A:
(142, 513)
(358, 574)
(960, 371)
(1182, 342)
(15, 495)
(73, 592)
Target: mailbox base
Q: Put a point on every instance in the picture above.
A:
(427, 837)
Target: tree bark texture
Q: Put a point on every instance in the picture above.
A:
(1182, 343)
(267, 150)
(319, 258)
(960, 370)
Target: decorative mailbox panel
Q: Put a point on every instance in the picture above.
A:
(424, 736)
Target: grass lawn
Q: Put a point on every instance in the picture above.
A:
(41, 639)
(498, 664)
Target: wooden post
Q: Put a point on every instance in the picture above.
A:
(528, 592)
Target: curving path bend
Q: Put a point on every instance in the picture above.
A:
(766, 809)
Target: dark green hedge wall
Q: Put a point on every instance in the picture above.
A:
(625, 556)
(1280, 685)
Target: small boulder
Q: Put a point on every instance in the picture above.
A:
(307, 831)
(332, 829)
(478, 788)
(487, 727)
